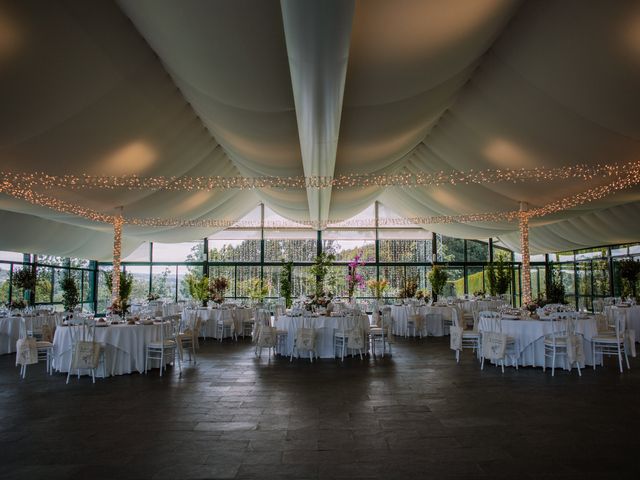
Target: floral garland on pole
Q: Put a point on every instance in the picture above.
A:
(353, 277)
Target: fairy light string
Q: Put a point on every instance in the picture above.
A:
(583, 172)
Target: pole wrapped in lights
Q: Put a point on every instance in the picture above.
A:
(523, 223)
(117, 251)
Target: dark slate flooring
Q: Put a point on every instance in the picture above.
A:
(416, 415)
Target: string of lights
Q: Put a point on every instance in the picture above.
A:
(623, 179)
(30, 181)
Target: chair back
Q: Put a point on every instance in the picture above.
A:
(489, 322)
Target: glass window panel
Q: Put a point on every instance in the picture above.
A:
(302, 281)
(178, 252)
(538, 282)
(561, 257)
(183, 287)
(272, 279)
(44, 286)
(58, 273)
(346, 244)
(475, 280)
(78, 262)
(104, 295)
(12, 256)
(140, 254)
(163, 282)
(87, 286)
(591, 253)
(450, 249)
(394, 275)
(455, 283)
(499, 252)
(537, 258)
(567, 274)
(234, 250)
(226, 271)
(140, 288)
(4, 282)
(53, 260)
(619, 250)
(601, 278)
(297, 246)
(477, 251)
(633, 249)
(245, 276)
(417, 251)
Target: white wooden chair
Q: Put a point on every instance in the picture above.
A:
(612, 344)
(164, 348)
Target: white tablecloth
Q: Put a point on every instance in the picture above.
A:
(124, 347)
(434, 328)
(529, 335)
(632, 314)
(210, 317)
(10, 330)
(324, 327)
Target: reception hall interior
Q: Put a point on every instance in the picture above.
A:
(319, 239)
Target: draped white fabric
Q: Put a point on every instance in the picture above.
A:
(261, 87)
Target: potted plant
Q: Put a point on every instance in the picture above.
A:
(120, 306)
(25, 279)
(70, 294)
(438, 277)
(286, 290)
(629, 270)
(217, 288)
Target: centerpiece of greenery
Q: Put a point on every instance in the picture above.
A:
(629, 270)
(258, 290)
(217, 288)
(25, 280)
(121, 305)
(438, 277)
(70, 294)
(377, 287)
(499, 276)
(319, 269)
(555, 289)
(198, 288)
(286, 290)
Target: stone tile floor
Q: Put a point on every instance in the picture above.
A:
(415, 415)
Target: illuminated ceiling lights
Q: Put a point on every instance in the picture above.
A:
(582, 172)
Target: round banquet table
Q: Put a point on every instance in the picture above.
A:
(399, 313)
(211, 316)
(124, 347)
(529, 335)
(10, 330)
(324, 327)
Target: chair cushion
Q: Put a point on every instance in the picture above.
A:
(606, 339)
(558, 341)
(43, 344)
(167, 343)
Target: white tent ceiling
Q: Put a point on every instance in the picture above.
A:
(302, 87)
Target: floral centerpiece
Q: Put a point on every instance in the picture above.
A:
(217, 287)
(152, 297)
(377, 287)
(318, 300)
(532, 308)
(353, 277)
(422, 295)
(16, 304)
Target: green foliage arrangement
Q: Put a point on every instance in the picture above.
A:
(499, 276)
(555, 289)
(126, 285)
(629, 270)
(286, 290)
(258, 290)
(438, 277)
(319, 269)
(198, 287)
(409, 287)
(70, 294)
